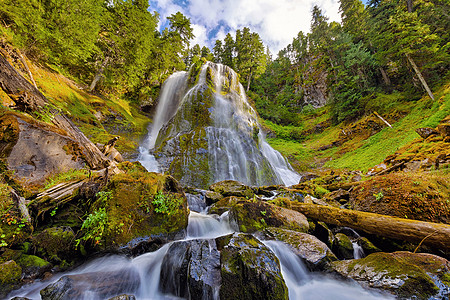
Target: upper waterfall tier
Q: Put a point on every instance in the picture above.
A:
(205, 131)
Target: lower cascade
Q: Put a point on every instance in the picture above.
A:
(205, 131)
(196, 268)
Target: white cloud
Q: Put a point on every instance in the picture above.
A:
(201, 37)
(276, 21)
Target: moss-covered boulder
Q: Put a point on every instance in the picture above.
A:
(10, 275)
(249, 269)
(323, 233)
(56, 243)
(343, 246)
(136, 204)
(33, 266)
(310, 249)
(254, 215)
(232, 188)
(367, 246)
(405, 274)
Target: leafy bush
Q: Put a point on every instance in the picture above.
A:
(166, 204)
(94, 226)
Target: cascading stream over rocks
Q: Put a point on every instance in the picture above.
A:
(205, 131)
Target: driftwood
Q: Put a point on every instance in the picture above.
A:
(56, 196)
(431, 234)
(21, 204)
(28, 99)
(390, 169)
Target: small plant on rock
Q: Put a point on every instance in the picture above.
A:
(94, 226)
(165, 204)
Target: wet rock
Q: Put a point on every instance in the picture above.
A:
(56, 243)
(323, 233)
(367, 245)
(139, 204)
(249, 269)
(212, 197)
(342, 246)
(191, 269)
(33, 266)
(252, 216)
(232, 188)
(10, 276)
(123, 297)
(425, 132)
(407, 275)
(310, 249)
(98, 285)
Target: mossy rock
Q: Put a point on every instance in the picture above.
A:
(367, 245)
(10, 277)
(407, 275)
(310, 249)
(56, 244)
(255, 215)
(33, 266)
(139, 204)
(249, 269)
(343, 246)
(232, 188)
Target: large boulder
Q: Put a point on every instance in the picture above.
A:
(232, 188)
(310, 249)
(35, 150)
(10, 275)
(191, 269)
(407, 275)
(136, 205)
(249, 269)
(95, 285)
(254, 215)
(56, 243)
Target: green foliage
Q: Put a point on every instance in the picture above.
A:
(70, 175)
(94, 227)
(166, 203)
(378, 196)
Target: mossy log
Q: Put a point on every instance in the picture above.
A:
(29, 99)
(431, 234)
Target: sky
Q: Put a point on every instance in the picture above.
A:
(276, 21)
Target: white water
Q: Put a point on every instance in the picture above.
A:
(304, 285)
(233, 151)
(147, 269)
(358, 251)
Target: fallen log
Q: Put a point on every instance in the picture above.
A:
(431, 234)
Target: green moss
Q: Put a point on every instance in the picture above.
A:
(31, 261)
(10, 272)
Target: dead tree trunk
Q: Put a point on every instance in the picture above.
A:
(30, 99)
(432, 234)
(99, 74)
(419, 74)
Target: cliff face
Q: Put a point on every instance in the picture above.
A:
(314, 83)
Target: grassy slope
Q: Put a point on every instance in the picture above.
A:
(363, 153)
(119, 117)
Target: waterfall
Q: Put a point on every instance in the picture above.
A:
(205, 131)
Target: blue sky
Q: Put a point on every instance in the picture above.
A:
(276, 21)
